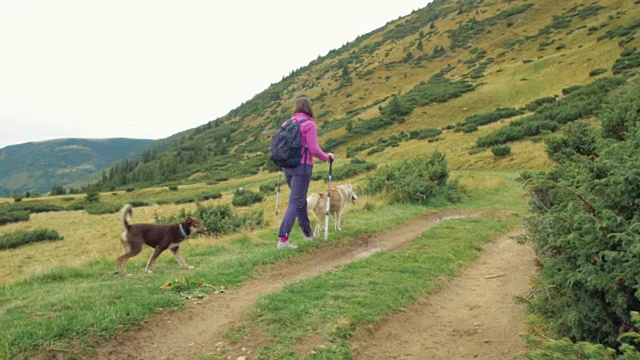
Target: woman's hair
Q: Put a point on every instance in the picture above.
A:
(303, 105)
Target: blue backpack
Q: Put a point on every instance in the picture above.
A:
(286, 145)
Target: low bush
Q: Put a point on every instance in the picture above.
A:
(138, 203)
(212, 196)
(267, 188)
(596, 72)
(417, 180)
(10, 216)
(218, 219)
(243, 197)
(501, 150)
(20, 238)
(99, 208)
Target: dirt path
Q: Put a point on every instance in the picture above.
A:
(196, 330)
(474, 316)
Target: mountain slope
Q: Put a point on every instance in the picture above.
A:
(416, 84)
(36, 166)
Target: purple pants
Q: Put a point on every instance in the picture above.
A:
(298, 179)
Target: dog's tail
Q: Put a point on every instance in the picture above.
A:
(126, 211)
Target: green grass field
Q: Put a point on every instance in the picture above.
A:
(69, 308)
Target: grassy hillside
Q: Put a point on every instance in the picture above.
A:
(453, 77)
(36, 166)
(423, 73)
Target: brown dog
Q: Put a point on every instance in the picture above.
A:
(159, 237)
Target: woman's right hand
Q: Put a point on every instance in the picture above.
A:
(332, 156)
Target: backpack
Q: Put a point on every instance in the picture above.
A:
(286, 145)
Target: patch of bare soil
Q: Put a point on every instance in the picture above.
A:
(473, 316)
(198, 329)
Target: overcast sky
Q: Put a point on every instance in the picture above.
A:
(151, 68)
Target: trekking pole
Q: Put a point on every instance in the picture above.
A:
(326, 214)
(275, 223)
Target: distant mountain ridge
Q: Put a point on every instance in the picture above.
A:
(36, 166)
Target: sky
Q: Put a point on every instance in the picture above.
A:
(148, 69)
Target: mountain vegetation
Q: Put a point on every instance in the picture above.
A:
(546, 89)
(451, 66)
(37, 167)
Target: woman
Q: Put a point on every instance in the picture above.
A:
(299, 177)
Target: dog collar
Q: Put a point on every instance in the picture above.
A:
(182, 230)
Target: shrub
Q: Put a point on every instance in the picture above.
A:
(596, 72)
(583, 226)
(351, 170)
(8, 215)
(99, 208)
(535, 104)
(470, 128)
(218, 219)
(92, 196)
(57, 190)
(501, 150)
(416, 180)
(215, 195)
(173, 188)
(267, 188)
(578, 138)
(242, 197)
(33, 207)
(17, 198)
(20, 238)
(138, 203)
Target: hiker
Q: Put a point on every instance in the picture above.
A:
(299, 177)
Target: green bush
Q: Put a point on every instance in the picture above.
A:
(578, 138)
(596, 72)
(469, 129)
(417, 180)
(34, 207)
(92, 196)
(580, 102)
(535, 104)
(267, 188)
(212, 196)
(99, 208)
(20, 238)
(8, 215)
(501, 150)
(138, 203)
(243, 197)
(583, 225)
(488, 118)
(218, 219)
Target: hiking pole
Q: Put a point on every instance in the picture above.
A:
(275, 223)
(326, 214)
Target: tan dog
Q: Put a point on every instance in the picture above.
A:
(159, 237)
(340, 196)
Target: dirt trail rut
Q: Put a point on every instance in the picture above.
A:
(473, 317)
(187, 333)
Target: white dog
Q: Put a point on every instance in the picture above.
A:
(317, 205)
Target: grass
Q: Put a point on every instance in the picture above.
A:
(334, 305)
(70, 308)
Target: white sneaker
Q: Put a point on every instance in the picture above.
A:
(310, 238)
(286, 245)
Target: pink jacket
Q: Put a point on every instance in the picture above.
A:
(309, 133)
